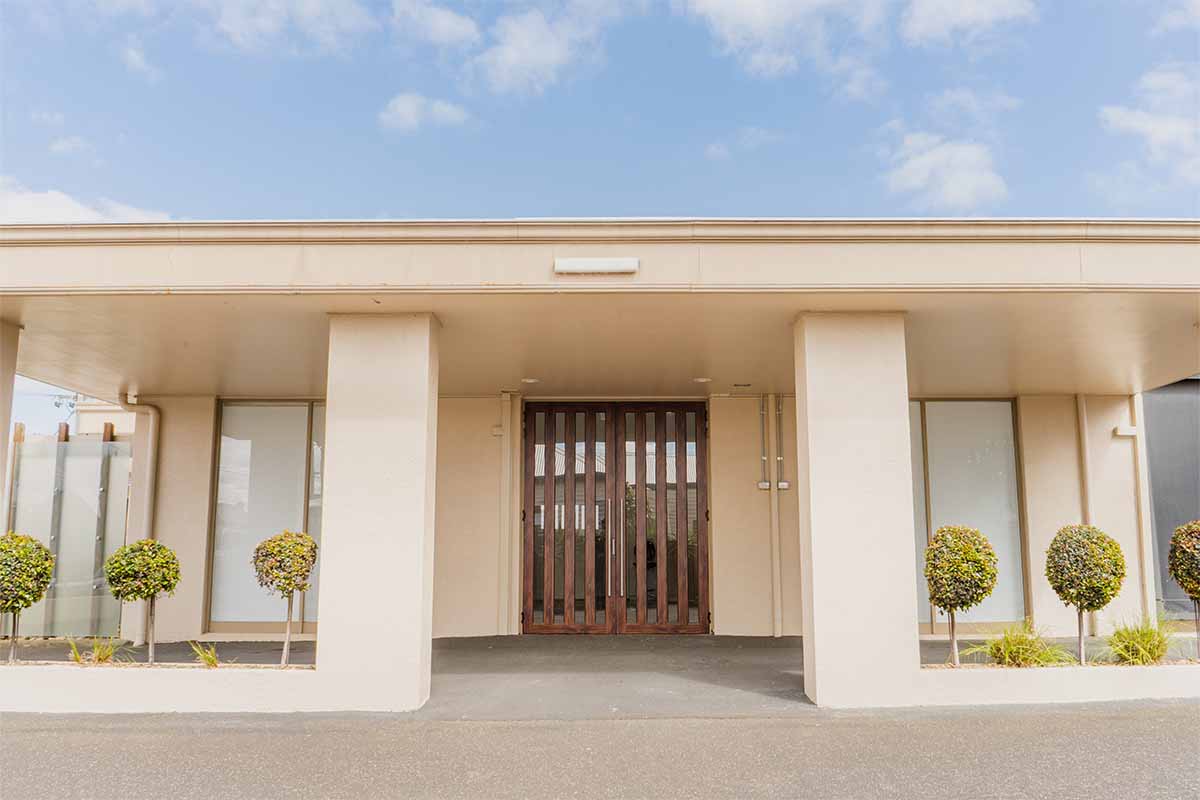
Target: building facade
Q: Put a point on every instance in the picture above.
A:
(617, 426)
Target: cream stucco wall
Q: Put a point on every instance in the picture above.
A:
(740, 531)
(1112, 497)
(743, 572)
(1071, 478)
(1050, 460)
(467, 552)
(182, 506)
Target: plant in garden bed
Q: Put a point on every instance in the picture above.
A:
(1021, 646)
(206, 655)
(142, 571)
(104, 651)
(1141, 644)
(26, 569)
(960, 568)
(1085, 568)
(1183, 562)
(283, 564)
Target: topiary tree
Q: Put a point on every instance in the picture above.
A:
(1085, 568)
(26, 569)
(283, 564)
(960, 568)
(142, 571)
(1183, 562)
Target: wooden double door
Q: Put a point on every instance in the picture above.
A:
(615, 518)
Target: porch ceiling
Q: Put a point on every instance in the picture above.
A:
(607, 344)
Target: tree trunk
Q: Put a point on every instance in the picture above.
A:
(150, 631)
(287, 632)
(1195, 606)
(12, 646)
(1082, 654)
(953, 641)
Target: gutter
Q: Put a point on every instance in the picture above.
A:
(148, 497)
(133, 616)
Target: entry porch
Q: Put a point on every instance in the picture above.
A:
(388, 415)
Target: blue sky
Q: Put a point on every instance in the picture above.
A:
(255, 109)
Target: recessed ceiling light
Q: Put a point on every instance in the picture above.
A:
(702, 380)
(531, 380)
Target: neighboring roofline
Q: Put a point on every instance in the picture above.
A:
(642, 229)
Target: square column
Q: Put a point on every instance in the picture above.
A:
(854, 481)
(376, 600)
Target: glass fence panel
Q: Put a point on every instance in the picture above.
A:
(73, 497)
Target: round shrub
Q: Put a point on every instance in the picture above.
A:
(142, 571)
(284, 562)
(960, 568)
(1085, 567)
(1183, 559)
(26, 568)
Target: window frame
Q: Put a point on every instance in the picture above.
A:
(932, 626)
(260, 626)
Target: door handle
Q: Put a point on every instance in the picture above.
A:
(621, 526)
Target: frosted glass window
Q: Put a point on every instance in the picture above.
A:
(972, 464)
(316, 484)
(260, 491)
(920, 528)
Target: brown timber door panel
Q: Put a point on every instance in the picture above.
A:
(615, 518)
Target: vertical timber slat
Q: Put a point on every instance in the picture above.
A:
(681, 518)
(569, 518)
(702, 513)
(618, 608)
(527, 522)
(660, 514)
(589, 517)
(639, 470)
(549, 522)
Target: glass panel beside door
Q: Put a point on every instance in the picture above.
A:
(640, 570)
(269, 478)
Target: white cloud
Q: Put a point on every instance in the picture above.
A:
(408, 112)
(716, 151)
(1184, 14)
(530, 50)
(19, 204)
(68, 145)
(749, 137)
(51, 119)
(134, 58)
(971, 104)
(434, 24)
(946, 174)
(1128, 186)
(970, 112)
(1167, 120)
(257, 24)
(941, 21)
(752, 137)
(772, 37)
(115, 7)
